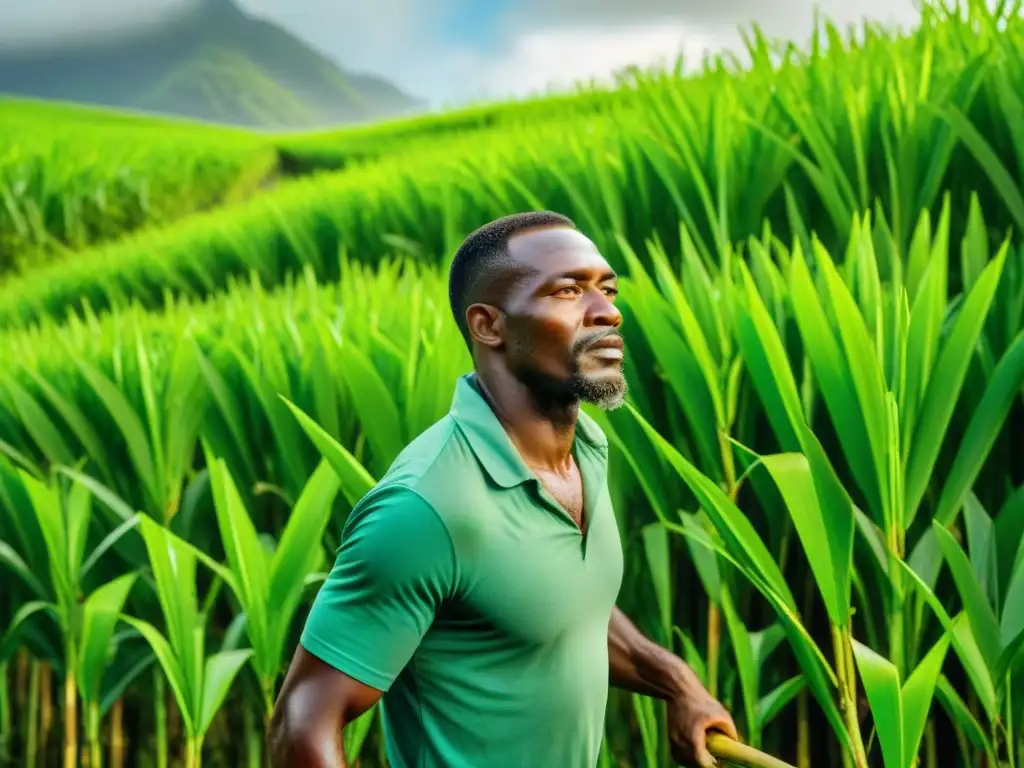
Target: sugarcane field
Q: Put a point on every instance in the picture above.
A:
(238, 343)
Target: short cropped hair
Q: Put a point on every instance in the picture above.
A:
(483, 258)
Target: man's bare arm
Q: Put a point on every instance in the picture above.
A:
(315, 704)
(642, 666)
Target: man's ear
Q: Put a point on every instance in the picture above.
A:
(486, 325)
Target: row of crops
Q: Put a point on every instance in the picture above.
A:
(815, 480)
(806, 138)
(73, 178)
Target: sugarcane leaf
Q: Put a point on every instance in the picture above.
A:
(228, 407)
(683, 373)
(759, 566)
(960, 714)
(174, 566)
(130, 426)
(863, 365)
(46, 502)
(10, 640)
(296, 556)
(22, 517)
(375, 405)
(356, 482)
(981, 546)
(172, 668)
(918, 693)
(1009, 537)
(656, 551)
(15, 564)
(284, 429)
(987, 423)
(692, 656)
(100, 615)
(355, 733)
(125, 669)
(248, 561)
(767, 364)
(1009, 655)
(78, 503)
(219, 673)
(986, 156)
(882, 687)
(817, 524)
(982, 618)
(746, 666)
(836, 381)
(76, 420)
(964, 643)
(772, 704)
(943, 388)
(128, 543)
(39, 425)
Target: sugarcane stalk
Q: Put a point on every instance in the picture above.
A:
(117, 734)
(723, 748)
(45, 711)
(252, 741)
(5, 713)
(93, 735)
(848, 694)
(160, 714)
(32, 728)
(70, 710)
(193, 752)
(803, 747)
(714, 645)
(803, 732)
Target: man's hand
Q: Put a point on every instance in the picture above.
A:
(638, 665)
(692, 715)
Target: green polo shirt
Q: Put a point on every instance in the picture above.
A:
(466, 593)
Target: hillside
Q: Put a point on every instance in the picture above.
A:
(216, 64)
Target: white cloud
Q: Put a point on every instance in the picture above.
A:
(547, 42)
(537, 42)
(539, 59)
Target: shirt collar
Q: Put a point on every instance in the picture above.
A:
(492, 444)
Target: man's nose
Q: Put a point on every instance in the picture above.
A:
(602, 312)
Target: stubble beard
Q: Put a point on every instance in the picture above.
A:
(606, 392)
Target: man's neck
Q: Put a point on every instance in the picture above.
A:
(542, 429)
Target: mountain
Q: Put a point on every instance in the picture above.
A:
(216, 63)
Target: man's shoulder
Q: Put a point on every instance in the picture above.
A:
(435, 472)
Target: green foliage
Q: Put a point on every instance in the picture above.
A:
(70, 179)
(806, 139)
(821, 511)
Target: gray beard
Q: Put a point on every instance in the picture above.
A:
(606, 394)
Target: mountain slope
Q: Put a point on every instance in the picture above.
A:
(217, 64)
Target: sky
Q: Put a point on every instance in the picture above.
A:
(453, 51)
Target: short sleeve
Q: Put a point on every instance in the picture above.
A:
(393, 569)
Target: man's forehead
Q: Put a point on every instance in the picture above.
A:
(554, 250)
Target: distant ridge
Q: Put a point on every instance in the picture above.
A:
(216, 64)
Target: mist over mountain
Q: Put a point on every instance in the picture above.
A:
(213, 63)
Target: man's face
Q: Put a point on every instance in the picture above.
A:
(561, 325)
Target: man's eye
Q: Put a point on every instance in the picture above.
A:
(567, 290)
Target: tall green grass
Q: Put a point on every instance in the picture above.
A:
(70, 179)
(812, 438)
(805, 139)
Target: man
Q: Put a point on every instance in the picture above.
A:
(476, 583)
